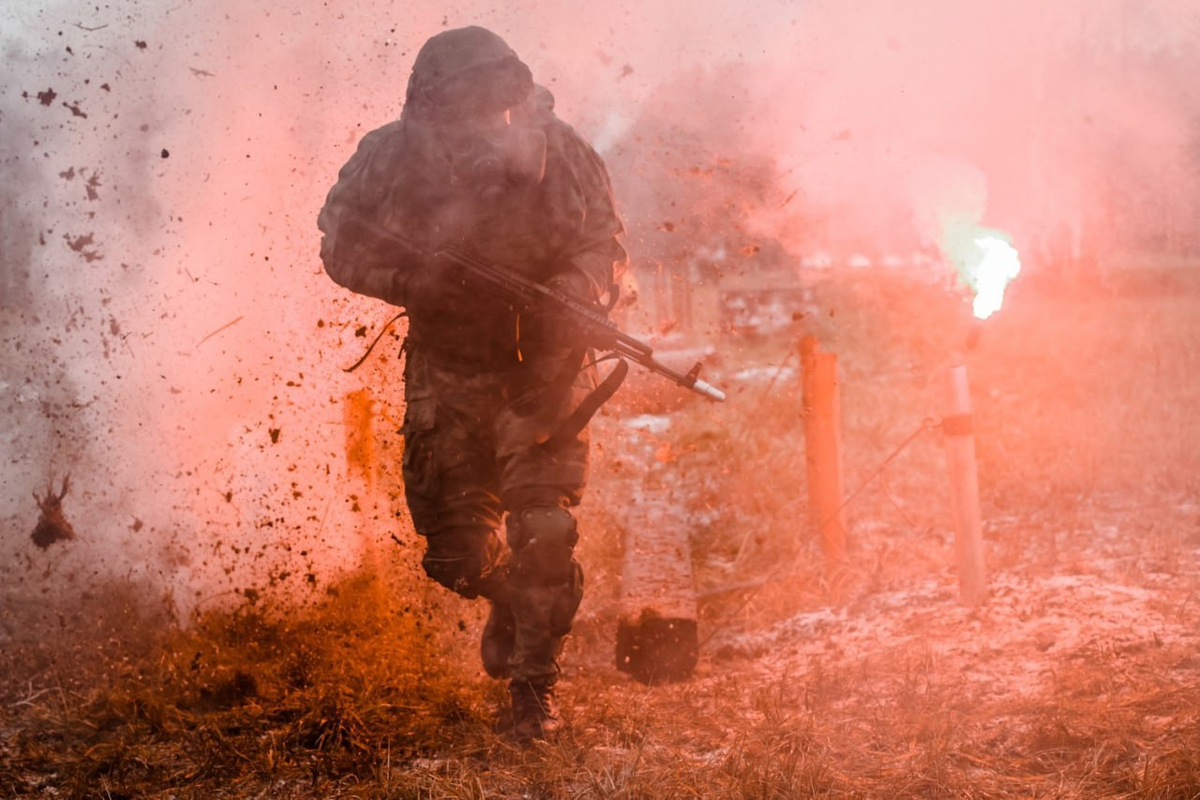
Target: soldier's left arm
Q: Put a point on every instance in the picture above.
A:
(594, 251)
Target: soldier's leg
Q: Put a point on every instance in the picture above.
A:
(545, 586)
(545, 580)
(450, 484)
(451, 488)
(538, 484)
(464, 553)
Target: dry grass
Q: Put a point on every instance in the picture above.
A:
(1084, 426)
(249, 696)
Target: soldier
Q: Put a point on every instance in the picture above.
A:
(478, 159)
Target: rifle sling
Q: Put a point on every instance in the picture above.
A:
(570, 427)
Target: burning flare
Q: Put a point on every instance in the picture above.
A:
(986, 261)
(999, 265)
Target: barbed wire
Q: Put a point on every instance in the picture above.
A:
(927, 424)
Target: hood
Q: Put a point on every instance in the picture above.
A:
(466, 72)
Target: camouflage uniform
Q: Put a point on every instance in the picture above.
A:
(485, 386)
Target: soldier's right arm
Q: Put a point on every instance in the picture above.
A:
(355, 205)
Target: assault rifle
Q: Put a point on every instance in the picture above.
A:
(596, 329)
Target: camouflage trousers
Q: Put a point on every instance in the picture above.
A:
(474, 461)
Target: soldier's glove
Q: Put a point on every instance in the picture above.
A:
(573, 284)
(551, 332)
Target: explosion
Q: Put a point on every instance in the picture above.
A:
(231, 594)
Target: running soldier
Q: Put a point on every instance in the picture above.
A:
(479, 160)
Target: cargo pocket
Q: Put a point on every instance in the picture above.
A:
(419, 462)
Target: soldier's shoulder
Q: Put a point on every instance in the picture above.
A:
(376, 155)
(567, 143)
(561, 132)
(390, 134)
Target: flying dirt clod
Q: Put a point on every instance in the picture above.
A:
(52, 526)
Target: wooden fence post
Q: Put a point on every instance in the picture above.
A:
(958, 428)
(823, 449)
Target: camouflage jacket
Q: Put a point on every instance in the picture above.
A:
(564, 222)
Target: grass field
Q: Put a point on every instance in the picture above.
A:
(1078, 677)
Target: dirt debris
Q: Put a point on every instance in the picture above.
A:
(52, 525)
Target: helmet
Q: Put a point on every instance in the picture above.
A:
(466, 73)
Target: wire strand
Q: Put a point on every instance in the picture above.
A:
(927, 424)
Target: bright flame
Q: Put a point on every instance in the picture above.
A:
(986, 261)
(999, 265)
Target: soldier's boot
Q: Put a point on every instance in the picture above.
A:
(534, 713)
(499, 638)
(473, 562)
(545, 586)
(500, 631)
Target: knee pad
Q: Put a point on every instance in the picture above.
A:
(464, 560)
(543, 540)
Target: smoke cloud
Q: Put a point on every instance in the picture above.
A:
(170, 340)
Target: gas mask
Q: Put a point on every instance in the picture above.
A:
(490, 159)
